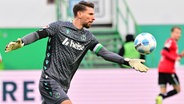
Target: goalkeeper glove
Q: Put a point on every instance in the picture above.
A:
(137, 65)
(14, 45)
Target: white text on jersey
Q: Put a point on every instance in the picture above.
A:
(71, 43)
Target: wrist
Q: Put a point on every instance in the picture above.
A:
(126, 61)
(180, 55)
(20, 41)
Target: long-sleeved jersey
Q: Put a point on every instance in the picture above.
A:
(66, 48)
(169, 54)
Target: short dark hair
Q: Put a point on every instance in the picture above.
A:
(175, 27)
(81, 6)
(129, 37)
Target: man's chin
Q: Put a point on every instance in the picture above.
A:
(87, 26)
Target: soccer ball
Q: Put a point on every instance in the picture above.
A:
(145, 43)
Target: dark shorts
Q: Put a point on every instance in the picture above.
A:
(165, 78)
(51, 91)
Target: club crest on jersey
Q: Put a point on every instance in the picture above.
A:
(83, 37)
(73, 44)
(67, 31)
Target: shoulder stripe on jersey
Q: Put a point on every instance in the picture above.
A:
(97, 48)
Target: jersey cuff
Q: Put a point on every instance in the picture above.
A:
(97, 48)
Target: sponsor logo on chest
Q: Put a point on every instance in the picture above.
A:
(73, 44)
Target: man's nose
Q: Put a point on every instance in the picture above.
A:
(93, 18)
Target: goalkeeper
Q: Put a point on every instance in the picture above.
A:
(67, 44)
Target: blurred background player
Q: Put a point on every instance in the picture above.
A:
(128, 50)
(67, 45)
(166, 67)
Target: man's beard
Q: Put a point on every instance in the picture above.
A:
(86, 25)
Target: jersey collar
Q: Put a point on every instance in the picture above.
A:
(70, 25)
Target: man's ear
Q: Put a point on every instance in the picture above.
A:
(79, 14)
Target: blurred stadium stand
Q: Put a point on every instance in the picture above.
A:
(113, 21)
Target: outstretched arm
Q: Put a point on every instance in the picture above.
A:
(113, 57)
(110, 56)
(30, 38)
(49, 30)
(166, 53)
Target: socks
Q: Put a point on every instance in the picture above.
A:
(168, 94)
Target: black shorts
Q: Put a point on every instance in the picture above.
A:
(165, 78)
(51, 91)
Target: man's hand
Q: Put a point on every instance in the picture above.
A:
(137, 64)
(182, 54)
(14, 45)
(178, 58)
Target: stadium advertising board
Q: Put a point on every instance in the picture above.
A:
(96, 86)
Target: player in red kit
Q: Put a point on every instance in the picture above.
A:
(166, 67)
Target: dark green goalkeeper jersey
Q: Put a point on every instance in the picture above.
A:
(66, 48)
